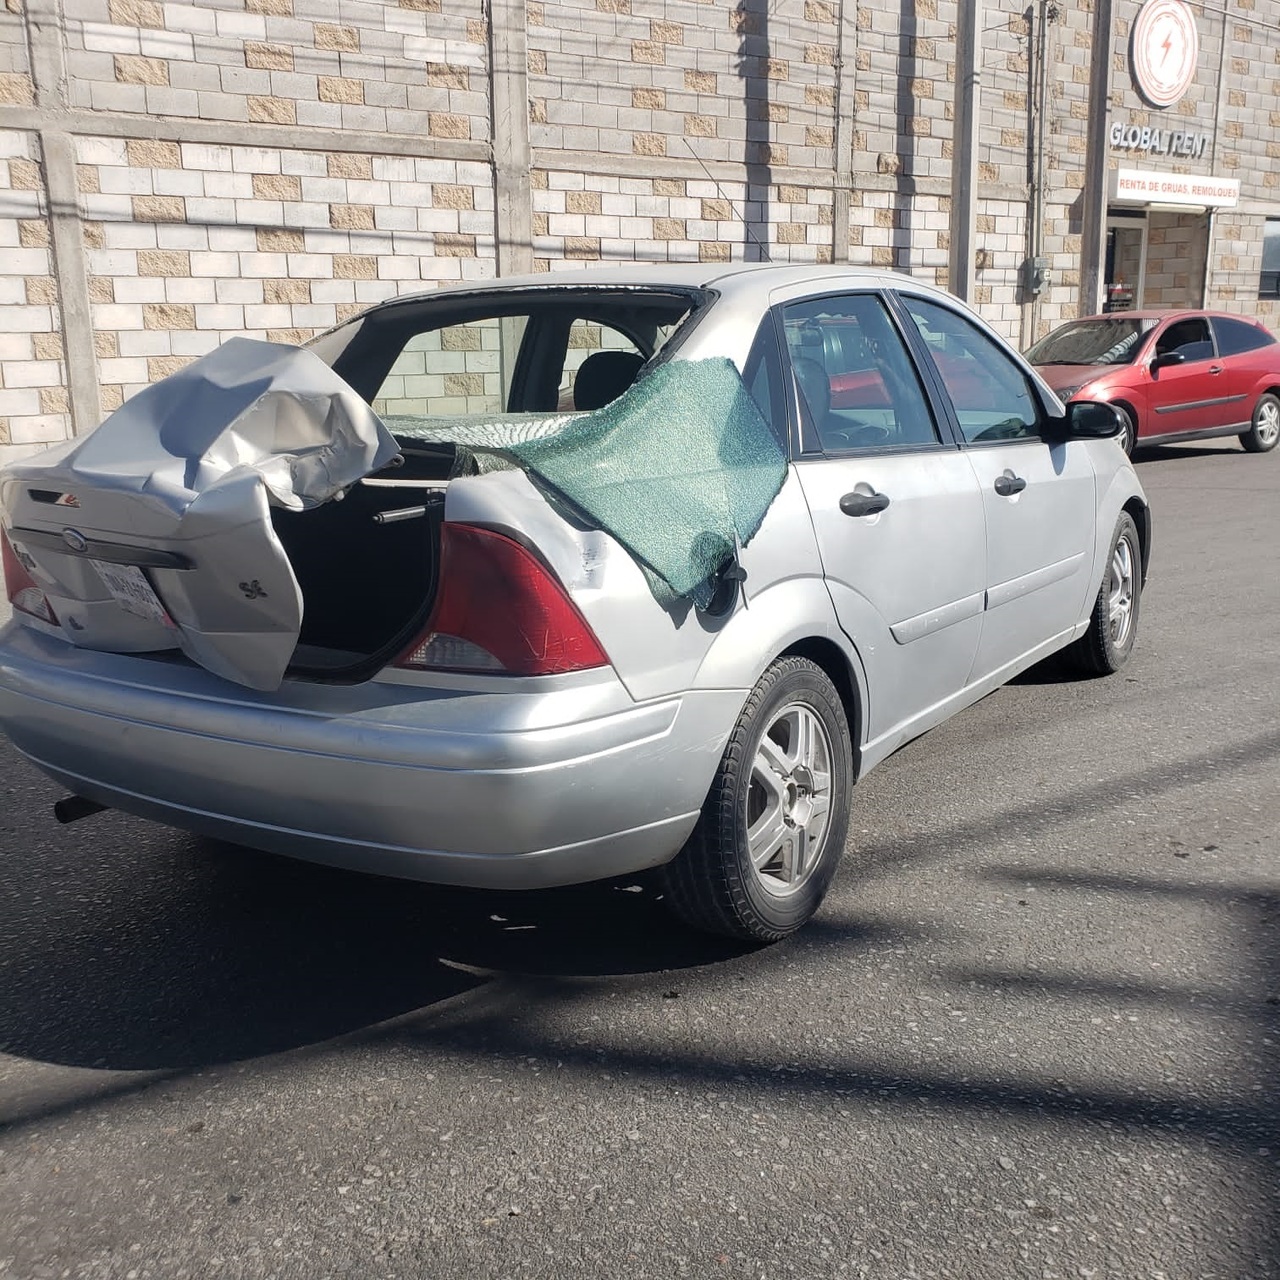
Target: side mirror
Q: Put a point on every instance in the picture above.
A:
(1094, 420)
(1167, 358)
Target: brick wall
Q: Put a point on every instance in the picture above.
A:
(33, 398)
(751, 83)
(189, 243)
(382, 67)
(581, 218)
(270, 166)
(1176, 245)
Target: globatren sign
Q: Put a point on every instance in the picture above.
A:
(1163, 51)
(1158, 142)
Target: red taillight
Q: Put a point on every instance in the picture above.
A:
(498, 608)
(25, 593)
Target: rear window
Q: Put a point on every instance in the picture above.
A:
(1235, 337)
(500, 355)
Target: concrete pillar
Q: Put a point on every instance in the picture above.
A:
(70, 263)
(1093, 239)
(964, 162)
(512, 156)
(846, 63)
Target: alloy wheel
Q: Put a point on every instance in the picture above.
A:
(1120, 594)
(1267, 427)
(789, 798)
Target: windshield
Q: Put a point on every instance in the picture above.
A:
(1110, 340)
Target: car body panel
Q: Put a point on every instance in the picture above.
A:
(907, 582)
(1039, 544)
(439, 781)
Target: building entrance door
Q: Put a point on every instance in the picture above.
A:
(1126, 263)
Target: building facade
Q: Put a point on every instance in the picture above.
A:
(174, 173)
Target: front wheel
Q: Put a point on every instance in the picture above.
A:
(1265, 428)
(1128, 436)
(1113, 628)
(773, 827)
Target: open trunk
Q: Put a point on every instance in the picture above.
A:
(366, 567)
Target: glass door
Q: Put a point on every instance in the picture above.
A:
(1126, 263)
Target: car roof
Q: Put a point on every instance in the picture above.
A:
(740, 278)
(1173, 313)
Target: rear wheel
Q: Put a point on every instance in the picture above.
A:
(773, 827)
(1265, 430)
(1113, 628)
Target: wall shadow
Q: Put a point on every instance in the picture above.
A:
(753, 69)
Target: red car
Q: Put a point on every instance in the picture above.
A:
(1174, 375)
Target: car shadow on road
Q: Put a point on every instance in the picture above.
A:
(1144, 452)
(203, 953)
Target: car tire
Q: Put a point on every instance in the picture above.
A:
(1265, 428)
(764, 851)
(1113, 627)
(1128, 437)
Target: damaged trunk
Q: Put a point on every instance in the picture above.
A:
(157, 532)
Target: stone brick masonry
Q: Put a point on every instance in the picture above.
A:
(174, 172)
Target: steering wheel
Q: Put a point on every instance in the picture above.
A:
(861, 436)
(1009, 429)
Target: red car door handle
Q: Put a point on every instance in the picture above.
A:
(863, 504)
(1007, 486)
(1215, 368)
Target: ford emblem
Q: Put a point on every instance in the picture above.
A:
(75, 540)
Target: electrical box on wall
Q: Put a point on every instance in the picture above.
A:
(1035, 275)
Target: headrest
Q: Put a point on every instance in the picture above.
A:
(604, 376)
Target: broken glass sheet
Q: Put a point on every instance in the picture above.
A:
(680, 469)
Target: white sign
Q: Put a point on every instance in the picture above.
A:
(1164, 51)
(1146, 186)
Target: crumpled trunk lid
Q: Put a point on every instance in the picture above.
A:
(154, 532)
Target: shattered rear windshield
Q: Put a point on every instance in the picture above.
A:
(672, 458)
(489, 355)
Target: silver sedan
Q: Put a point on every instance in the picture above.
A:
(554, 579)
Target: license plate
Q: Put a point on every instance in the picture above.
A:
(132, 592)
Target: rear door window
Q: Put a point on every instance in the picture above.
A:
(855, 384)
(600, 362)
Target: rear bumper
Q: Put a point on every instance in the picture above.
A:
(531, 787)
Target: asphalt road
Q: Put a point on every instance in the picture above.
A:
(1032, 1033)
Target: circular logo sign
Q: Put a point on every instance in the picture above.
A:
(1164, 51)
(75, 540)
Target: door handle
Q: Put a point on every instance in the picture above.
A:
(863, 504)
(1215, 368)
(1007, 486)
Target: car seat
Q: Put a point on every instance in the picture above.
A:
(604, 376)
(815, 392)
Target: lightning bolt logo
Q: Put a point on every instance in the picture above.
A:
(1166, 46)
